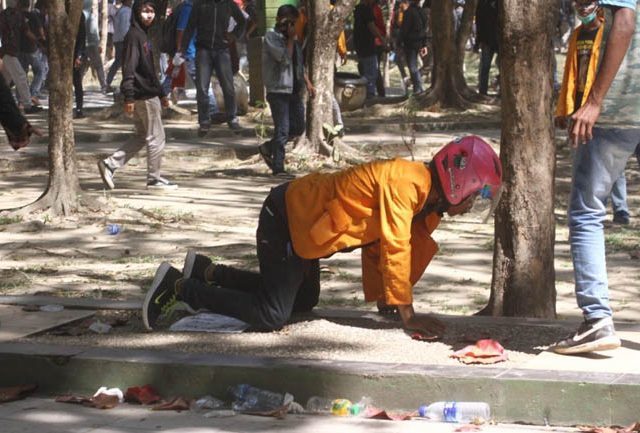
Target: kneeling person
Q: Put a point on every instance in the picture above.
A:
(387, 208)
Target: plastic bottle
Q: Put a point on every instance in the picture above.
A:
(250, 398)
(451, 411)
(360, 408)
(317, 404)
(341, 407)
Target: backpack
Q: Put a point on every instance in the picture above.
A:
(168, 32)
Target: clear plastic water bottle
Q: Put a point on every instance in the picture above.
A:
(360, 408)
(451, 411)
(317, 404)
(248, 398)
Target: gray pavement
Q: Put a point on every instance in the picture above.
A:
(39, 415)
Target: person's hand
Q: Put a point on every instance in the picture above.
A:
(23, 138)
(77, 62)
(424, 51)
(425, 323)
(311, 90)
(164, 101)
(229, 37)
(178, 59)
(582, 121)
(128, 107)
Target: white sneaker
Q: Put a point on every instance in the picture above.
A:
(106, 174)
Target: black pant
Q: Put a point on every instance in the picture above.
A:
(286, 282)
(77, 87)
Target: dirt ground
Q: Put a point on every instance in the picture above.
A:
(222, 186)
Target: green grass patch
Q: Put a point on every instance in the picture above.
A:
(4, 220)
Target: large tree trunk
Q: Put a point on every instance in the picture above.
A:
(523, 272)
(325, 25)
(449, 89)
(61, 194)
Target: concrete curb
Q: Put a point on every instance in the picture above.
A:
(515, 395)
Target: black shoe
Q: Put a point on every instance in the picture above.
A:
(234, 126)
(161, 297)
(161, 183)
(33, 109)
(203, 130)
(78, 114)
(282, 173)
(195, 266)
(266, 155)
(621, 217)
(592, 336)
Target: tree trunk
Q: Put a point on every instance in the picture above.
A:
(104, 26)
(449, 89)
(61, 194)
(523, 272)
(325, 25)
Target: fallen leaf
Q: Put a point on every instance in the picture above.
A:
(103, 401)
(14, 393)
(178, 404)
(377, 413)
(145, 394)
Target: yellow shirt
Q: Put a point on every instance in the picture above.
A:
(370, 206)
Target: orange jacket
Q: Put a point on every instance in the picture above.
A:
(567, 97)
(370, 206)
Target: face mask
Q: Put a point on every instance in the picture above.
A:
(589, 18)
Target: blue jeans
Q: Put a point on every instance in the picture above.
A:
(206, 62)
(486, 57)
(596, 166)
(368, 68)
(287, 111)
(38, 63)
(117, 62)
(411, 55)
(190, 68)
(619, 196)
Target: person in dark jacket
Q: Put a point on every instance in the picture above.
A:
(211, 20)
(79, 53)
(487, 39)
(144, 98)
(18, 129)
(413, 34)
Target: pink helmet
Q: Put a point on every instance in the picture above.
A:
(466, 166)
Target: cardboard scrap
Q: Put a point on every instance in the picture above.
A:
(13, 393)
(483, 352)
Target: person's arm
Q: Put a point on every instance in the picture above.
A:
(130, 60)
(279, 49)
(618, 43)
(241, 21)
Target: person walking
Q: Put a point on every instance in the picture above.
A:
(365, 33)
(121, 24)
(93, 56)
(487, 39)
(413, 34)
(31, 46)
(79, 53)
(210, 21)
(144, 98)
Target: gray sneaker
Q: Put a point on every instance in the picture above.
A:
(161, 183)
(106, 174)
(592, 336)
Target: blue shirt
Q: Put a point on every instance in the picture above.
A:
(181, 25)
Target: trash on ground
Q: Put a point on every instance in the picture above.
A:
(114, 229)
(251, 400)
(633, 428)
(483, 352)
(110, 391)
(100, 327)
(19, 392)
(376, 413)
(206, 403)
(209, 322)
(100, 401)
(474, 412)
(52, 308)
(177, 403)
(145, 394)
(220, 413)
(468, 428)
(421, 336)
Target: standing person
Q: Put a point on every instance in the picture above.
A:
(364, 35)
(381, 46)
(389, 209)
(112, 9)
(581, 66)
(400, 59)
(605, 131)
(93, 55)
(210, 20)
(188, 58)
(413, 34)
(487, 38)
(144, 98)
(79, 53)
(30, 50)
(284, 79)
(12, 26)
(121, 23)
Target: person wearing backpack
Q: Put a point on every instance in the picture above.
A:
(210, 21)
(413, 34)
(121, 24)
